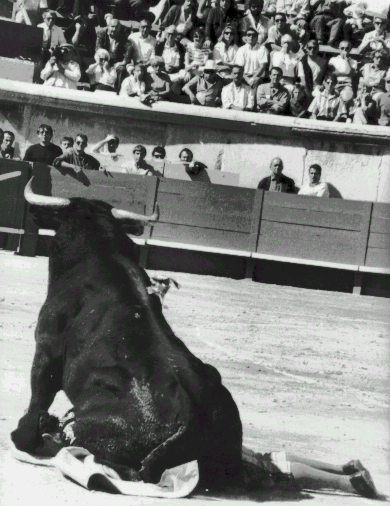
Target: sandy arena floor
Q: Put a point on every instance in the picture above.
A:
(309, 371)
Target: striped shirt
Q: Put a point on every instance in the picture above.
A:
(198, 55)
(327, 107)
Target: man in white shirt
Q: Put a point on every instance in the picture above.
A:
(315, 187)
(238, 95)
(52, 34)
(253, 57)
(64, 72)
(144, 43)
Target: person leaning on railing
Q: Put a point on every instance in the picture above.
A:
(76, 158)
(45, 151)
(272, 97)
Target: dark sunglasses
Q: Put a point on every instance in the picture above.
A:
(252, 34)
(380, 23)
(80, 143)
(279, 20)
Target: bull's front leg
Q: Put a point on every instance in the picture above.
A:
(46, 381)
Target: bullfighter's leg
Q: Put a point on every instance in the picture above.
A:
(46, 381)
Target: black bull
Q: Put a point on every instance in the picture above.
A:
(142, 401)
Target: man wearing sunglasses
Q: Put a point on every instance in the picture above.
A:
(76, 158)
(377, 39)
(280, 28)
(253, 57)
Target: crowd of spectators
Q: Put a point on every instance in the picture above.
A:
(263, 59)
(72, 156)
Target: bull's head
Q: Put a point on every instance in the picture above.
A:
(134, 222)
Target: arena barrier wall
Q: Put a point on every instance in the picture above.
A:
(355, 158)
(240, 223)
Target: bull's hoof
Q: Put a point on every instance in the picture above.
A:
(26, 440)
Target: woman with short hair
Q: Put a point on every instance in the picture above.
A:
(102, 74)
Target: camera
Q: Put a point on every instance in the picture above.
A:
(57, 53)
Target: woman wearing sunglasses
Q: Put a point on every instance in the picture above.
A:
(225, 50)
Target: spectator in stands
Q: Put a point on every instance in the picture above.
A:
(159, 153)
(186, 156)
(254, 58)
(272, 97)
(67, 143)
(158, 85)
(327, 106)
(139, 166)
(102, 74)
(373, 74)
(196, 55)
(297, 13)
(224, 52)
(378, 39)
(220, 16)
(45, 151)
(7, 139)
(383, 105)
(173, 54)
(108, 17)
(114, 39)
(253, 18)
(184, 15)
(76, 158)
(286, 60)
(364, 111)
(299, 102)
(135, 84)
(345, 69)
(62, 71)
(315, 187)
(106, 154)
(143, 42)
(327, 14)
(280, 28)
(312, 68)
(205, 89)
(52, 35)
(82, 34)
(238, 95)
(277, 182)
(356, 24)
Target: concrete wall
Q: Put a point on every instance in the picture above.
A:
(355, 158)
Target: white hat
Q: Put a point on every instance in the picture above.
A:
(210, 65)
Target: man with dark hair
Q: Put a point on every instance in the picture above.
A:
(139, 166)
(253, 18)
(45, 151)
(280, 28)
(76, 158)
(159, 153)
(277, 182)
(238, 95)
(315, 187)
(272, 97)
(254, 58)
(66, 143)
(9, 150)
(327, 105)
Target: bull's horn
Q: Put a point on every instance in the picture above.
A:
(43, 200)
(121, 214)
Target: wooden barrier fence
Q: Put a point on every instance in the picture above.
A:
(226, 220)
